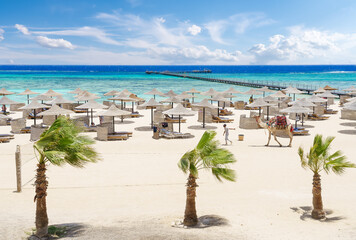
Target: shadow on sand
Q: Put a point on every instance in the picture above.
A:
(349, 132)
(305, 213)
(348, 124)
(199, 127)
(144, 129)
(71, 230)
(211, 221)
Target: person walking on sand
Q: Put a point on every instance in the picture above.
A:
(226, 134)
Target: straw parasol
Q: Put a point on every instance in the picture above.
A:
(51, 93)
(320, 90)
(125, 91)
(91, 104)
(350, 89)
(111, 93)
(293, 91)
(123, 97)
(41, 98)
(55, 110)
(76, 91)
(279, 94)
(253, 92)
(204, 104)
(175, 99)
(33, 106)
(180, 111)
(154, 92)
(327, 94)
(7, 101)
(170, 93)
(259, 102)
(264, 90)
(4, 92)
(151, 104)
(86, 96)
(316, 99)
(219, 98)
(60, 100)
(297, 109)
(350, 106)
(328, 88)
(113, 112)
(211, 92)
(28, 92)
(193, 91)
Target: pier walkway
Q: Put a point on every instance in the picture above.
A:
(247, 83)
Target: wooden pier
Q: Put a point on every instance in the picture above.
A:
(250, 83)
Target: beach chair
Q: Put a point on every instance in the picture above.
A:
(225, 112)
(114, 136)
(330, 111)
(300, 132)
(4, 140)
(10, 136)
(88, 128)
(170, 119)
(32, 116)
(135, 115)
(129, 134)
(174, 135)
(26, 130)
(80, 110)
(219, 119)
(317, 117)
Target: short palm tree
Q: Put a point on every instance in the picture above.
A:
(60, 144)
(206, 155)
(318, 159)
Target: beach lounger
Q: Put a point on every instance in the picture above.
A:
(26, 130)
(217, 119)
(174, 135)
(330, 111)
(117, 137)
(4, 140)
(299, 131)
(10, 136)
(32, 116)
(225, 112)
(129, 134)
(317, 117)
(89, 128)
(80, 110)
(170, 119)
(135, 115)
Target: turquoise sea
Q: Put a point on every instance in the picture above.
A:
(101, 79)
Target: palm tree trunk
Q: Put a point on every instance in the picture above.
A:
(318, 212)
(41, 208)
(190, 214)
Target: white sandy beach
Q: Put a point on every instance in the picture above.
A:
(137, 190)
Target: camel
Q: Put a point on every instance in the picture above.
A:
(273, 130)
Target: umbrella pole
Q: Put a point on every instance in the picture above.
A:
(296, 119)
(133, 105)
(28, 99)
(91, 116)
(113, 124)
(294, 97)
(193, 98)
(259, 111)
(302, 119)
(154, 96)
(313, 110)
(151, 117)
(34, 114)
(203, 117)
(179, 122)
(267, 112)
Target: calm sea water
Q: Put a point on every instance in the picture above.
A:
(101, 79)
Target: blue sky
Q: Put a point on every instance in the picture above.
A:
(139, 32)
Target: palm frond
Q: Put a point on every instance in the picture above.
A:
(224, 173)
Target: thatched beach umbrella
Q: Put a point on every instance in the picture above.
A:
(253, 92)
(151, 104)
(154, 92)
(328, 88)
(123, 97)
(55, 110)
(91, 104)
(350, 89)
(170, 93)
(86, 96)
(259, 102)
(293, 91)
(42, 98)
(327, 94)
(211, 92)
(180, 111)
(204, 104)
(28, 92)
(320, 90)
(264, 90)
(4, 92)
(51, 93)
(76, 91)
(60, 100)
(351, 106)
(172, 100)
(193, 91)
(111, 93)
(7, 101)
(297, 109)
(219, 98)
(316, 99)
(113, 112)
(304, 102)
(33, 106)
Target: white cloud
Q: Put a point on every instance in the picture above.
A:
(194, 30)
(53, 43)
(97, 33)
(301, 44)
(238, 22)
(1, 34)
(194, 54)
(22, 29)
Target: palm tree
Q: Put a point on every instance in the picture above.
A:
(60, 144)
(317, 160)
(206, 155)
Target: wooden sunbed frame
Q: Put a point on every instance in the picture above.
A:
(173, 120)
(330, 111)
(175, 135)
(225, 112)
(117, 137)
(4, 139)
(301, 132)
(217, 119)
(10, 136)
(80, 110)
(317, 117)
(26, 130)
